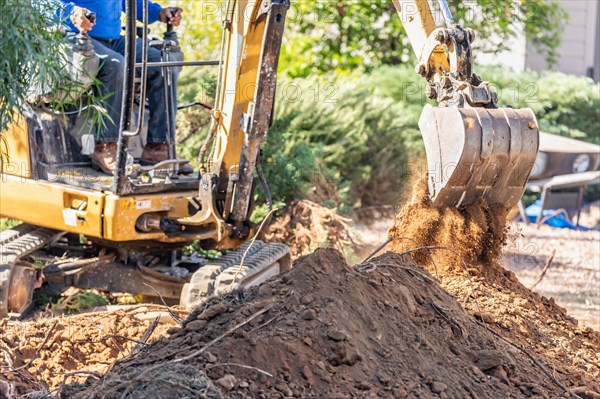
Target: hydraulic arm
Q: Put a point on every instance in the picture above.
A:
(475, 150)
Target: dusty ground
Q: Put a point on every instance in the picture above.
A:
(573, 278)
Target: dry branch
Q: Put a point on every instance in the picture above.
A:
(546, 267)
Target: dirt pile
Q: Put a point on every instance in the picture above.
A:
(306, 226)
(470, 271)
(41, 355)
(327, 330)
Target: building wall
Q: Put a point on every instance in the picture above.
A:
(578, 51)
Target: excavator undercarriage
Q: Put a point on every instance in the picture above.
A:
(32, 255)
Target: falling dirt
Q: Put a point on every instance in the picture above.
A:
(43, 354)
(327, 330)
(475, 234)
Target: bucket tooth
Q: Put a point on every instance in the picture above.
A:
(475, 153)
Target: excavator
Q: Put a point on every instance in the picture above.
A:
(125, 232)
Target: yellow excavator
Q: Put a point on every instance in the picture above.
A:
(136, 222)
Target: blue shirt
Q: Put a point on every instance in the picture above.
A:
(108, 15)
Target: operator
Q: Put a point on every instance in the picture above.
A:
(109, 45)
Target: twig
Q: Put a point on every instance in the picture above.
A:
(71, 374)
(128, 308)
(444, 313)
(242, 366)
(173, 315)
(533, 359)
(379, 248)
(205, 347)
(107, 337)
(403, 238)
(37, 352)
(482, 323)
(250, 246)
(546, 267)
(266, 322)
(147, 335)
(92, 373)
(373, 266)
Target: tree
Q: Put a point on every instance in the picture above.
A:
(34, 54)
(347, 35)
(30, 53)
(201, 28)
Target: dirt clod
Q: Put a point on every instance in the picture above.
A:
(306, 226)
(227, 382)
(38, 357)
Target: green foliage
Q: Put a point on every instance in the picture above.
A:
(81, 301)
(201, 25)
(6, 224)
(348, 35)
(494, 23)
(261, 211)
(563, 104)
(193, 123)
(326, 36)
(201, 252)
(34, 55)
(197, 85)
(329, 132)
(348, 141)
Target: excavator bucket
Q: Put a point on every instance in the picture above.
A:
(475, 153)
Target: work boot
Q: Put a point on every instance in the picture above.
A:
(157, 152)
(105, 157)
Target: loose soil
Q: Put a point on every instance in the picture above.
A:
(327, 330)
(465, 262)
(51, 351)
(306, 226)
(436, 323)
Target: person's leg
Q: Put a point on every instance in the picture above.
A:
(155, 93)
(110, 75)
(160, 118)
(156, 148)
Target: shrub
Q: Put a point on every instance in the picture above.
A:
(345, 141)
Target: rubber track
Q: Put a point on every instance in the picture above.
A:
(14, 244)
(224, 274)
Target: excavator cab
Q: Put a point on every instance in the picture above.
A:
(128, 232)
(475, 150)
(64, 138)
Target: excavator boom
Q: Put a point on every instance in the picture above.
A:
(475, 150)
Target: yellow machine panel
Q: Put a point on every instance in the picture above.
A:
(52, 205)
(121, 214)
(14, 149)
(92, 213)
